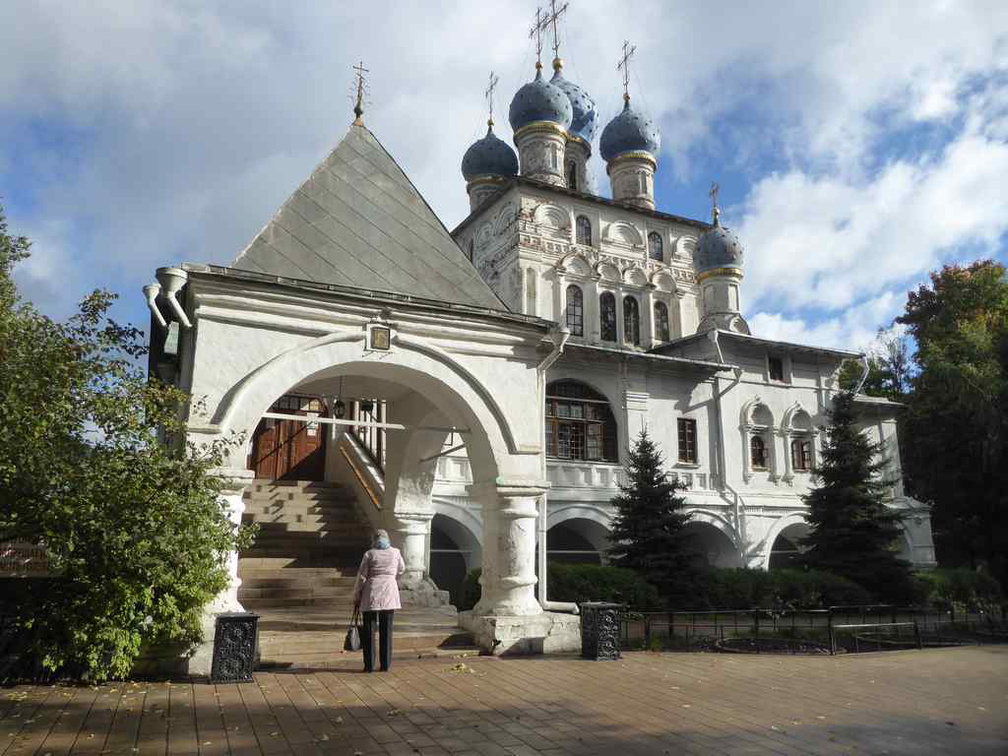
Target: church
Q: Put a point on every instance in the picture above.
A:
(476, 391)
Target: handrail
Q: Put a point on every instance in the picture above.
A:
(361, 479)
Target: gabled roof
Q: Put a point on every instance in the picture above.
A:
(358, 221)
(671, 346)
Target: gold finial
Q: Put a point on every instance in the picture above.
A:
(624, 66)
(359, 107)
(715, 190)
(488, 93)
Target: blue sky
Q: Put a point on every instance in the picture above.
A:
(858, 145)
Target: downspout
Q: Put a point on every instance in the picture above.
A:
(864, 374)
(559, 336)
(172, 280)
(719, 416)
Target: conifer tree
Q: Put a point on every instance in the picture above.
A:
(647, 533)
(853, 533)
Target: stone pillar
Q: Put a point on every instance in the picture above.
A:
(631, 176)
(509, 537)
(541, 151)
(508, 618)
(412, 534)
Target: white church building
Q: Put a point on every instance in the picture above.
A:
(477, 390)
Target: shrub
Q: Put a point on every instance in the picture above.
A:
(744, 588)
(591, 582)
(957, 588)
(580, 583)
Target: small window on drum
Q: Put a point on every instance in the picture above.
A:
(654, 245)
(631, 321)
(661, 326)
(584, 231)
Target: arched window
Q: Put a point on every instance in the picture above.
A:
(801, 455)
(579, 423)
(575, 311)
(661, 321)
(583, 228)
(654, 246)
(631, 321)
(757, 453)
(607, 315)
(470, 250)
(572, 176)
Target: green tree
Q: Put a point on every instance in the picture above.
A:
(889, 369)
(853, 534)
(956, 423)
(647, 533)
(135, 533)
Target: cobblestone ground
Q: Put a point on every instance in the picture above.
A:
(910, 702)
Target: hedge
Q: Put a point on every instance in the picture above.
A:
(956, 588)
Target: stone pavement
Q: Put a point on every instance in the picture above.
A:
(908, 702)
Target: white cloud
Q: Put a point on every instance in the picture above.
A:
(190, 122)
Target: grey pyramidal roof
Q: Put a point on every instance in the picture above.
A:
(359, 221)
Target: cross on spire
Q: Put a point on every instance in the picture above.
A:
(489, 96)
(624, 66)
(536, 32)
(359, 107)
(552, 18)
(715, 190)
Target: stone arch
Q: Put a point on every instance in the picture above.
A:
(455, 550)
(577, 534)
(574, 263)
(607, 271)
(426, 369)
(636, 276)
(552, 216)
(756, 413)
(715, 539)
(663, 281)
(796, 418)
(791, 527)
(616, 418)
(621, 232)
(504, 219)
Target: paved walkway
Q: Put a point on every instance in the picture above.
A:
(908, 702)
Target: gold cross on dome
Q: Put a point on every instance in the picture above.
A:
(489, 95)
(624, 66)
(715, 190)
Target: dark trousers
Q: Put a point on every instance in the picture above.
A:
(384, 619)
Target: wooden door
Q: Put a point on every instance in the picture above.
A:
(290, 449)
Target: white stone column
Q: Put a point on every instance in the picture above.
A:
(509, 537)
(411, 534)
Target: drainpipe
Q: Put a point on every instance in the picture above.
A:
(151, 292)
(864, 374)
(172, 280)
(559, 335)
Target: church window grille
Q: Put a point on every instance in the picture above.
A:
(758, 453)
(801, 455)
(776, 366)
(607, 315)
(579, 423)
(661, 321)
(655, 247)
(575, 310)
(687, 440)
(631, 321)
(584, 231)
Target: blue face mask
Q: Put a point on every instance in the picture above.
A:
(382, 543)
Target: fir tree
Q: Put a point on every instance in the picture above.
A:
(853, 533)
(647, 533)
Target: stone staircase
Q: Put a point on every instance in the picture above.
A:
(299, 577)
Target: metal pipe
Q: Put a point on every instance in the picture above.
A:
(151, 292)
(172, 280)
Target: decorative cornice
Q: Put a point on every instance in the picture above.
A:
(541, 127)
(647, 157)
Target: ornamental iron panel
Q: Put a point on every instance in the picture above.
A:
(234, 648)
(601, 622)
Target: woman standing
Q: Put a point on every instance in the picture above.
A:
(376, 593)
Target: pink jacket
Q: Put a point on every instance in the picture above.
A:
(376, 587)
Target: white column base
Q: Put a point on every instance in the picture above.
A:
(543, 633)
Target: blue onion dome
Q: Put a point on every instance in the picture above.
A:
(630, 131)
(489, 156)
(718, 247)
(584, 122)
(540, 101)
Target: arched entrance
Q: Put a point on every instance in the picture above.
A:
(577, 541)
(454, 552)
(787, 547)
(711, 546)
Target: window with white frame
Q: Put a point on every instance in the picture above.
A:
(655, 246)
(631, 320)
(575, 310)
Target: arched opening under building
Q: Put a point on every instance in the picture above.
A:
(787, 547)
(710, 546)
(454, 552)
(577, 541)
